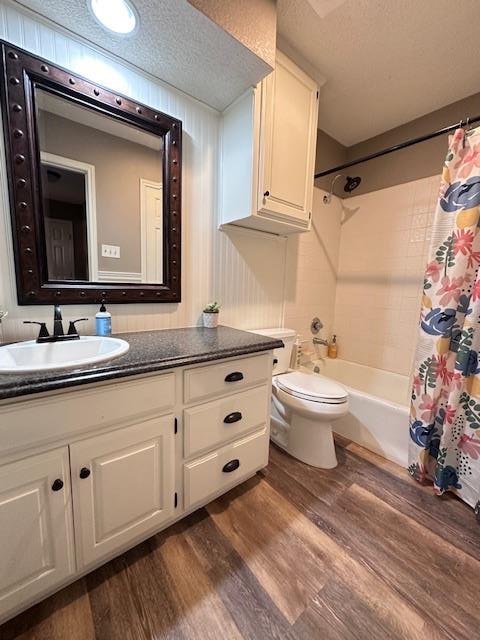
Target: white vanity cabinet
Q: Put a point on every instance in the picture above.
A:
(123, 486)
(268, 153)
(90, 471)
(36, 527)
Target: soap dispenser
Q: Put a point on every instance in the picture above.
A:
(332, 347)
(103, 321)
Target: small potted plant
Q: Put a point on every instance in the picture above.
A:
(210, 315)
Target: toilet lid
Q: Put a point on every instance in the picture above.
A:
(312, 387)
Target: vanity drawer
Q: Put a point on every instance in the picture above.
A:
(49, 419)
(209, 475)
(226, 377)
(207, 426)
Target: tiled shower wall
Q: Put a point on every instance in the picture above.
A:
(384, 244)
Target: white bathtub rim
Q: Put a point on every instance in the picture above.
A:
(350, 390)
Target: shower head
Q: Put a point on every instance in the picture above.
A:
(350, 185)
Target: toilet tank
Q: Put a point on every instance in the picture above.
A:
(282, 356)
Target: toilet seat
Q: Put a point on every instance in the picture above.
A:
(312, 387)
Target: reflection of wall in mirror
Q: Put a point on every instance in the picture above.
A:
(120, 165)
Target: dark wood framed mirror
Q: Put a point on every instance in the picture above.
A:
(95, 188)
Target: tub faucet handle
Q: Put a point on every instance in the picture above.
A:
(315, 326)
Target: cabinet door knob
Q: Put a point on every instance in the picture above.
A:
(232, 417)
(84, 472)
(231, 466)
(235, 376)
(57, 485)
(266, 194)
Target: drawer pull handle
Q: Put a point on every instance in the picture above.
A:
(231, 466)
(84, 473)
(57, 485)
(235, 376)
(233, 417)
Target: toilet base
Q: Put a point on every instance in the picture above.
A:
(307, 440)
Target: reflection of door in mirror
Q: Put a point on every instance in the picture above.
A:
(68, 191)
(60, 249)
(151, 208)
(105, 177)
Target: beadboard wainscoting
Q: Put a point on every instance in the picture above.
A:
(244, 271)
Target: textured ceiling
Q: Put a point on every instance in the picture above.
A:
(385, 62)
(175, 42)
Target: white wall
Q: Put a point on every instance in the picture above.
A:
(384, 246)
(244, 271)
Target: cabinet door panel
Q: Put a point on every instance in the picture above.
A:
(36, 541)
(289, 135)
(129, 490)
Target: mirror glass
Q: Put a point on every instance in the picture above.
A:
(101, 188)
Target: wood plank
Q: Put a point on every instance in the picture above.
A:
(113, 601)
(336, 613)
(392, 484)
(418, 563)
(271, 551)
(291, 557)
(66, 614)
(363, 531)
(253, 611)
(201, 612)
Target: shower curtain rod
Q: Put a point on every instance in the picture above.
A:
(396, 147)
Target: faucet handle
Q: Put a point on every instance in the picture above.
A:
(72, 329)
(43, 328)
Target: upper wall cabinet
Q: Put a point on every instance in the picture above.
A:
(268, 153)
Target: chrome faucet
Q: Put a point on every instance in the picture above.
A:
(58, 332)
(321, 341)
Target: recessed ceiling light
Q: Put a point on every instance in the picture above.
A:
(118, 16)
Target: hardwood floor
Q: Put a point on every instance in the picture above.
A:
(357, 552)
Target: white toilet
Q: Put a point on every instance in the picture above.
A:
(304, 405)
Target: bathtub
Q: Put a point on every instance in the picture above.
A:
(378, 406)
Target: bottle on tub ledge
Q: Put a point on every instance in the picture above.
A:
(332, 347)
(103, 321)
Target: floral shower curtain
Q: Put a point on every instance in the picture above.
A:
(445, 409)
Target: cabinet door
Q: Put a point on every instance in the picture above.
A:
(288, 134)
(123, 486)
(36, 533)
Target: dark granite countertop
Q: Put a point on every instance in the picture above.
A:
(150, 351)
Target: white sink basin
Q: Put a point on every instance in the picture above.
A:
(30, 357)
